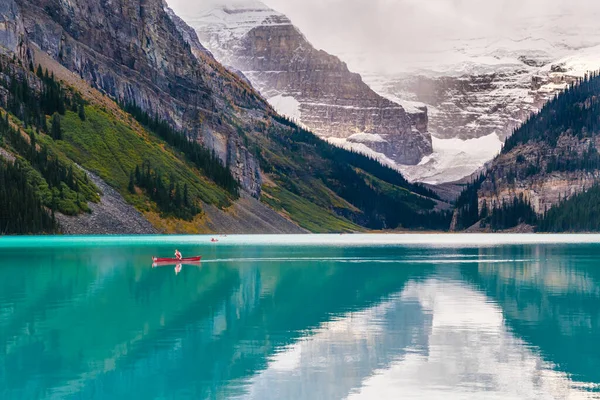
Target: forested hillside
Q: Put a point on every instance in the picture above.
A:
(544, 167)
(51, 130)
(47, 129)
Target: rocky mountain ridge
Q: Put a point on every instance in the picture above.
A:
(127, 92)
(479, 73)
(473, 106)
(133, 52)
(306, 84)
(551, 158)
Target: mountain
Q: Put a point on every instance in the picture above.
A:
(548, 171)
(308, 85)
(480, 74)
(115, 119)
(12, 31)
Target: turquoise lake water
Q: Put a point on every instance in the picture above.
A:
(301, 317)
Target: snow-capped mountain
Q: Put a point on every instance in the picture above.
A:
(482, 79)
(478, 97)
(478, 69)
(306, 84)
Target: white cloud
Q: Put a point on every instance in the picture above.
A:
(398, 32)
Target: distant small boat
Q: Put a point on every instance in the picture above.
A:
(214, 240)
(158, 260)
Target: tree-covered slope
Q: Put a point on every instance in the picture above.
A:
(319, 187)
(352, 185)
(48, 149)
(550, 159)
(179, 137)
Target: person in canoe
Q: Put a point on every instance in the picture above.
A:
(178, 255)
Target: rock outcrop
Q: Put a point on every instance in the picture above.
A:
(111, 216)
(306, 84)
(13, 39)
(477, 105)
(133, 51)
(507, 180)
(548, 160)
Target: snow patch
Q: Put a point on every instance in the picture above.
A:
(227, 19)
(287, 106)
(452, 159)
(585, 60)
(364, 137)
(363, 149)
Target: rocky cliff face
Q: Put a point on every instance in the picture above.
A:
(509, 177)
(309, 85)
(472, 106)
(13, 39)
(133, 51)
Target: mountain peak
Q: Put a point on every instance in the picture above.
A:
(230, 19)
(309, 85)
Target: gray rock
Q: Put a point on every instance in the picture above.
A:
(333, 102)
(112, 216)
(13, 40)
(472, 106)
(133, 51)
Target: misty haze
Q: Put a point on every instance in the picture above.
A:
(299, 199)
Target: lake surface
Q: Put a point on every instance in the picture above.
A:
(301, 317)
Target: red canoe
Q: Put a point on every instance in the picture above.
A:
(175, 261)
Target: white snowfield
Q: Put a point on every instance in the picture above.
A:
(226, 20)
(286, 105)
(452, 159)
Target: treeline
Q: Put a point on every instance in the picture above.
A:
(170, 196)
(55, 182)
(32, 101)
(579, 213)
(588, 161)
(206, 160)
(21, 211)
(506, 215)
(467, 205)
(68, 190)
(394, 203)
(383, 210)
(358, 160)
(575, 111)
(509, 214)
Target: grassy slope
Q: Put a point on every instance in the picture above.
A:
(112, 150)
(305, 213)
(68, 201)
(126, 135)
(298, 187)
(414, 201)
(311, 210)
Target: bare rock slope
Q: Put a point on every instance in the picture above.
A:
(306, 84)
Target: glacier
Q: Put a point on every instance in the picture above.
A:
(479, 73)
(451, 161)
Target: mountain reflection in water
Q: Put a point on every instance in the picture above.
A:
(309, 322)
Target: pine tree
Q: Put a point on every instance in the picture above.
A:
(131, 186)
(56, 132)
(81, 111)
